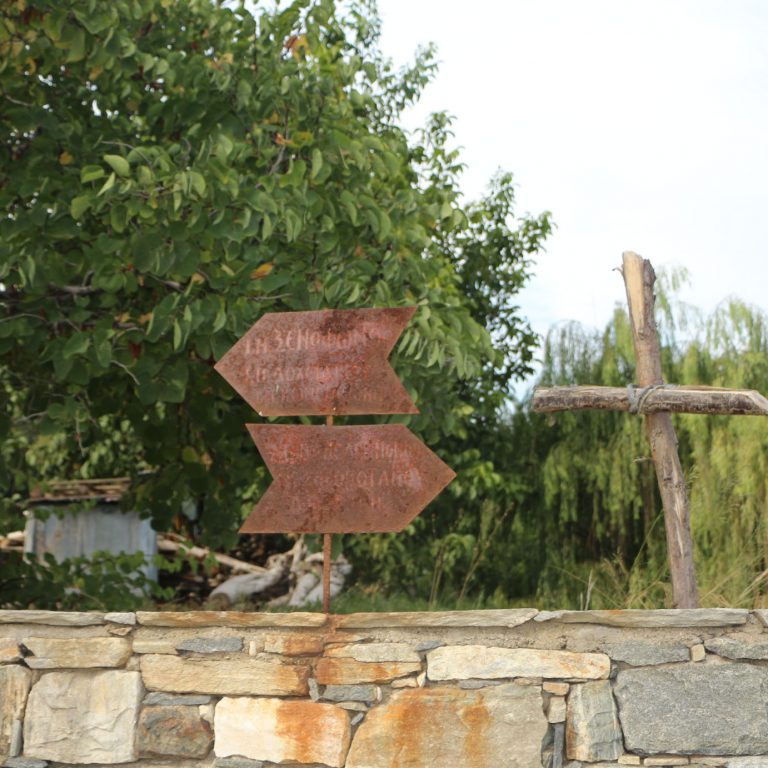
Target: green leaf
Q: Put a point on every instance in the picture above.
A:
(79, 206)
(108, 184)
(176, 335)
(118, 164)
(198, 182)
(317, 163)
(77, 344)
(91, 173)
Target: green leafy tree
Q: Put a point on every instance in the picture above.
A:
(172, 170)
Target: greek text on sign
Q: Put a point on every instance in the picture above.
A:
(328, 362)
(340, 479)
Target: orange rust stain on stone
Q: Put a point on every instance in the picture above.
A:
(477, 719)
(294, 644)
(345, 671)
(313, 732)
(431, 725)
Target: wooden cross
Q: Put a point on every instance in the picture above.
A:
(656, 400)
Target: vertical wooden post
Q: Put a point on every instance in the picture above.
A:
(327, 548)
(639, 279)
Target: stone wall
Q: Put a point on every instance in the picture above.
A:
(474, 689)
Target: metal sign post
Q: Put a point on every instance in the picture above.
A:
(332, 479)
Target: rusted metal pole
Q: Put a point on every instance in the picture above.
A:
(639, 279)
(327, 555)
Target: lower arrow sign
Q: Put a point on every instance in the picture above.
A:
(343, 479)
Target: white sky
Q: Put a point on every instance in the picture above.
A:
(642, 125)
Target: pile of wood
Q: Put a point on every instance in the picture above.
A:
(292, 578)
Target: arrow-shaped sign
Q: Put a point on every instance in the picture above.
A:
(341, 479)
(328, 362)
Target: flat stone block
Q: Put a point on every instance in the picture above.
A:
(227, 677)
(129, 619)
(664, 617)
(154, 646)
(52, 618)
(173, 731)
(9, 650)
(281, 731)
(351, 693)
(643, 653)
(504, 617)
(739, 646)
(74, 653)
(701, 709)
(14, 688)
(24, 762)
(666, 760)
(592, 729)
(698, 652)
(294, 644)
(228, 619)
(628, 759)
(558, 689)
(170, 700)
(83, 717)
(330, 671)
(447, 727)
(210, 645)
(375, 652)
(556, 711)
(457, 662)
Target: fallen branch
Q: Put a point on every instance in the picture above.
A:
(172, 543)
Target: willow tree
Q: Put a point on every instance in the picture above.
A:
(172, 170)
(595, 504)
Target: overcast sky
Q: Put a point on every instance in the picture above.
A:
(641, 125)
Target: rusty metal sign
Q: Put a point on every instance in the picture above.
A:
(331, 479)
(341, 479)
(328, 362)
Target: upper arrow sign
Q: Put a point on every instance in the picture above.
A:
(343, 479)
(320, 363)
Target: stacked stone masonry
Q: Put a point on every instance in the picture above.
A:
(473, 689)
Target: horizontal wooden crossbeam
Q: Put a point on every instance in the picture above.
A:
(654, 399)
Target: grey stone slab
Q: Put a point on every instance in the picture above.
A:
(552, 752)
(739, 646)
(175, 700)
(696, 708)
(24, 762)
(351, 693)
(642, 653)
(15, 681)
(748, 762)
(474, 684)
(210, 645)
(592, 724)
(664, 617)
(429, 645)
(237, 762)
(173, 731)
